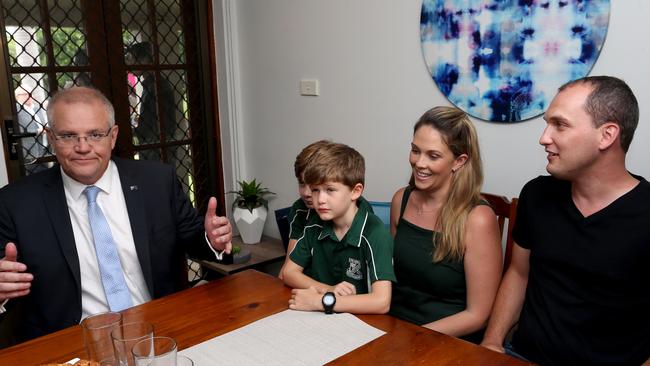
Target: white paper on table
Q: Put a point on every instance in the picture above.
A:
(286, 338)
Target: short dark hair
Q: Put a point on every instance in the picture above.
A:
(336, 162)
(611, 100)
(80, 58)
(142, 52)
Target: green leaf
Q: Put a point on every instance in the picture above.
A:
(250, 195)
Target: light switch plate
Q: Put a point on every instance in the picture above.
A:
(309, 87)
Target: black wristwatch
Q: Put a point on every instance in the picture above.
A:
(329, 300)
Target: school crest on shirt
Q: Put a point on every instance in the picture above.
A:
(354, 270)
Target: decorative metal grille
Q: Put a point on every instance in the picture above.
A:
(28, 59)
(158, 86)
(160, 109)
(24, 35)
(170, 32)
(68, 34)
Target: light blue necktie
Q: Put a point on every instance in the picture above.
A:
(110, 268)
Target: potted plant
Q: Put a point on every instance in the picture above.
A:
(237, 255)
(249, 210)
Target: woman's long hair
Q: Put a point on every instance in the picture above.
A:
(459, 134)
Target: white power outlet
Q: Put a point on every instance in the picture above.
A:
(309, 87)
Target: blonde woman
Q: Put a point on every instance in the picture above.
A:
(447, 255)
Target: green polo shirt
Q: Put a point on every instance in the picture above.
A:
(300, 216)
(363, 256)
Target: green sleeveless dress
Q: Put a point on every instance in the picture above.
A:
(425, 291)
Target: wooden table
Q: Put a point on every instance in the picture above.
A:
(201, 313)
(268, 250)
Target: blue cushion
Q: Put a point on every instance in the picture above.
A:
(382, 210)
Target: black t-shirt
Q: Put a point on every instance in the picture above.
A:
(588, 298)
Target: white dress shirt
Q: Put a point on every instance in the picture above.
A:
(111, 200)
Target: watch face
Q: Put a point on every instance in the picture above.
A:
(328, 299)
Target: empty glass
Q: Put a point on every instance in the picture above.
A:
(97, 336)
(184, 361)
(155, 351)
(126, 336)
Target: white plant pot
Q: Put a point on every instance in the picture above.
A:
(250, 224)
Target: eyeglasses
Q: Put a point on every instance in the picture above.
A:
(69, 139)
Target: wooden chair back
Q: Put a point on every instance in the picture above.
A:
(504, 209)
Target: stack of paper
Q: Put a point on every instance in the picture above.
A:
(287, 338)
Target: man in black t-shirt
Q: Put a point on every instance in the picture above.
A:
(580, 263)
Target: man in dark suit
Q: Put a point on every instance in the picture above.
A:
(53, 272)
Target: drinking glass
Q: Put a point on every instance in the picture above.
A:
(97, 336)
(184, 361)
(155, 351)
(126, 336)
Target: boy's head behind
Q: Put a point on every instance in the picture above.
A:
(299, 167)
(305, 155)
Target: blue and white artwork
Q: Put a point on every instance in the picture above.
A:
(503, 60)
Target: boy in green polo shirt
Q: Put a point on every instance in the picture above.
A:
(348, 250)
(302, 211)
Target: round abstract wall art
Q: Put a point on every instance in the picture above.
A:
(502, 60)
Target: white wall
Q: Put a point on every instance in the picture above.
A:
(374, 85)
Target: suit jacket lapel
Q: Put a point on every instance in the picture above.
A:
(57, 209)
(137, 217)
